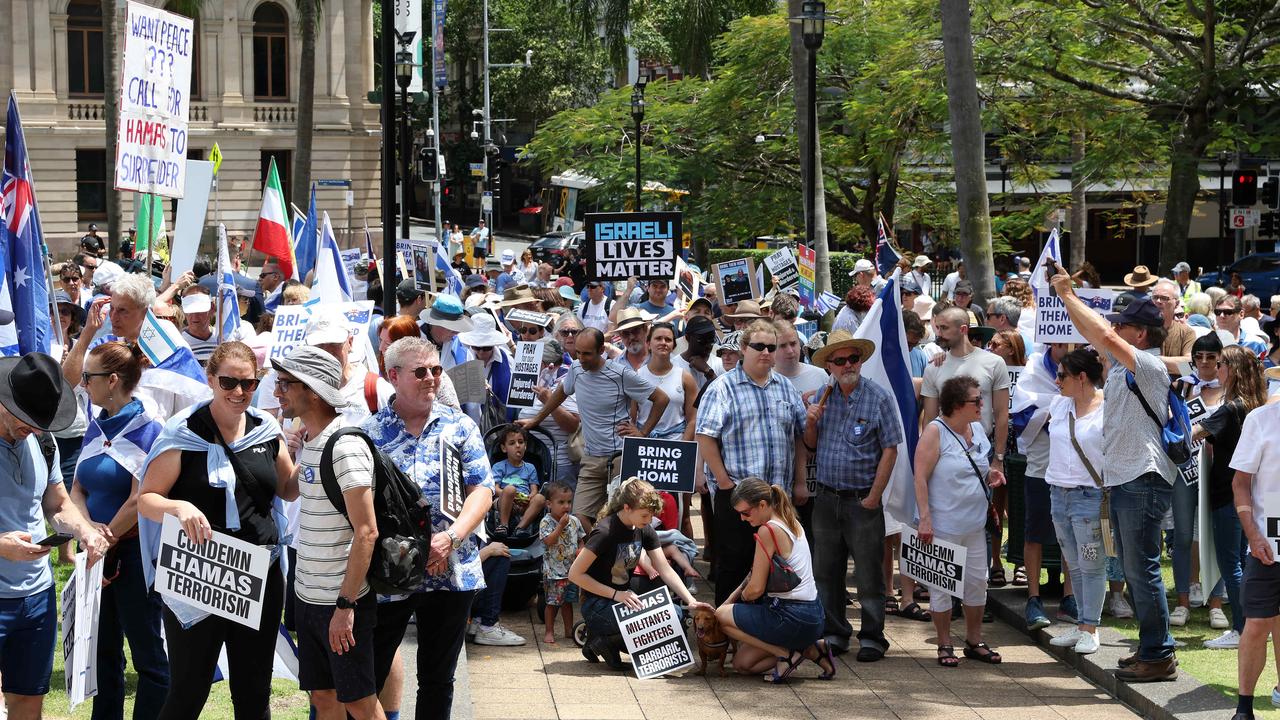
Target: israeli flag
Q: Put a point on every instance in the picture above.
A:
(452, 278)
(228, 304)
(331, 283)
(173, 368)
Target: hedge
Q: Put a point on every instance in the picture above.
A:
(841, 265)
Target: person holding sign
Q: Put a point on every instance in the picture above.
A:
(953, 499)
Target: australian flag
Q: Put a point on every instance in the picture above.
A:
(886, 256)
(25, 290)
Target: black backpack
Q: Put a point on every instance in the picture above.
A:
(399, 562)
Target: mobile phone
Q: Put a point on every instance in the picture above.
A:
(1050, 269)
(55, 540)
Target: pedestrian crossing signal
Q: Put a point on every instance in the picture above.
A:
(1271, 192)
(1244, 188)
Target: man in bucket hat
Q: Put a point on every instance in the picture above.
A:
(34, 399)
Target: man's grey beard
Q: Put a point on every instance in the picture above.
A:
(635, 348)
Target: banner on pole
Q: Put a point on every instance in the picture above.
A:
(807, 271)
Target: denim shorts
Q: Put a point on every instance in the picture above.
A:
(792, 624)
(28, 629)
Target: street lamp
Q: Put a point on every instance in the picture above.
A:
(637, 114)
(1223, 158)
(813, 19)
(404, 76)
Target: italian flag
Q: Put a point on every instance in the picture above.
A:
(271, 236)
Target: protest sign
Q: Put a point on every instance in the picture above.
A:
(782, 265)
(665, 464)
(807, 263)
(350, 257)
(223, 576)
(654, 635)
(405, 249)
(154, 99)
(422, 261)
(1190, 470)
(1269, 523)
(736, 280)
(642, 245)
(290, 326)
(468, 381)
(1014, 374)
(81, 604)
(452, 494)
(1052, 323)
(188, 222)
(938, 564)
(524, 374)
(529, 317)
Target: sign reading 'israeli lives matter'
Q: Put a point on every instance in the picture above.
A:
(642, 245)
(155, 84)
(223, 576)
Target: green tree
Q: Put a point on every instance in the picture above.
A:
(111, 121)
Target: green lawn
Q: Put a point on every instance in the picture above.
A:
(287, 701)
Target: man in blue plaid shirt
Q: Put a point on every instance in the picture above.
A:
(749, 425)
(854, 429)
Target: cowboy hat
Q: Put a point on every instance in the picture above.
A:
(1140, 277)
(746, 310)
(517, 295)
(840, 339)
(33, 390)
(631, 317)
(485, 334)
(446, 312)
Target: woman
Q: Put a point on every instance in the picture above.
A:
(527, 268)
(111, 459)
(1236, 285)
(1243, 390)
(680, 418)
(189, 475)
(70, 320)
(778, 632)
(70, 280)
(1008, 344)
(1203, 381)
(455, 240)
(1086, 276)
(604, 566)
(1011, 347)
(564, 420)
(953, 478)
(392, 329)
(1074, 474)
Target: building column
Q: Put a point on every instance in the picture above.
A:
(58, 24)
(42, 49)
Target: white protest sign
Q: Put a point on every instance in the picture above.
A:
(654, 635)
(1190, 470)
(81, 605)
(155, 83)
(782, 265)
(524, 374)
(938, 564)
(223, 576)
(350, 257)
(1014, 374)
(188, 223)
(1052, 323)
(290, 326)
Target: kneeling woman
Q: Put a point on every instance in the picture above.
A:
(776, 631)
(603, 568)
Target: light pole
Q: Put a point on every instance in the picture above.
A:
(812, 27)
(404, 76)
(1142, 229)
(637, 114)
(1223, 158)
(388, 165)
(487, 112)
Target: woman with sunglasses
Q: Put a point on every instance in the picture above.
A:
(218, 467)
(953, 481)
(110, 463)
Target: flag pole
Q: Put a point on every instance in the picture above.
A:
(53, 303)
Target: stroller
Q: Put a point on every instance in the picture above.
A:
(524, 580)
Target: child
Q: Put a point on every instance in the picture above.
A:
(562, 535)
(517, 482)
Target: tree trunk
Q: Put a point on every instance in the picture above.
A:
(1184, 185)
(1079, 207)
(967, 148)
(800, 80)
(111, 121)
(306, 103)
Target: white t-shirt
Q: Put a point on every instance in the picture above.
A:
(985, 367)
(1065, 468)
(808, 378)
(324, 535)
(949, 284)
(1258, 453)
(594, 315)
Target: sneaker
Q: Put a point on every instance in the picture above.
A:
(1197, 595)
(1087, 644)
(497, 635)
(1035, 616)
(1228, 640)
(473, 626)
(1118, 607)
(1179, 616)
(1067, 610)
(1066, 639)
(1218, 619)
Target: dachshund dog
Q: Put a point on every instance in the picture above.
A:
(712, 642)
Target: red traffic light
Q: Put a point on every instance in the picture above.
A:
(1244, 188)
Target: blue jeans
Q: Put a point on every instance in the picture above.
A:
(488, 602)
(130, 610)
(1232, 549)
(597, 612)
(1185, 499)
(1137, 507)
(1079, 526)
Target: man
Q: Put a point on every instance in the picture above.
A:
(594, 313)
(633, 328)
(91, 244)
(962, 295)
(509, 277)
(807, 379)
(712, 294)
(920, 276)
(1003, 313)
(1024, 268)
(1179, 337)
(744, 314)
(951, 280)
(749, 425)
(197, 308)
(480, 244)
(412, 300)
(656, 301)
(441, 323)
(128, 245)
(34, 399)
(335, 610)
(1227, 313)
(543, 278)
(855, 432)
(270, 282)
(1251, 319)
(951, 327)
(410, 432)
(864, 274)
(1186, 286)
(604, 392)
(1138, 472)
(700, 338)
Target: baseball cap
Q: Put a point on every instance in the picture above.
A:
(910, 286)
(407, 291)
(106, 273)
(475, 280)
(327, 326)
(197, 303)
(964, 286)
(508, 257)
(1141, 311)
(1181, 268)
(863, 265)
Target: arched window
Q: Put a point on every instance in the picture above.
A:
(84, 48)
(270, 53)
(197, 87)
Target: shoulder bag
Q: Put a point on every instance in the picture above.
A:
(993, 519)
(782, 577)
(1108, 539)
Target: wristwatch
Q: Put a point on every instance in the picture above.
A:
(345, 604)
(999, 457)
(453, 539)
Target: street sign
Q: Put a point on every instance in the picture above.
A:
(486, 202)
(334, 183)
(1242, 218)
(477, 170)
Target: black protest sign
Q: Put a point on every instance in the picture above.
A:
(451, 490)
(642, 245)
(1190, 470)
(668, 465)
(654, 635)
(524, 374)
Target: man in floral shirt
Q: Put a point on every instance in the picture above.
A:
(410, 431)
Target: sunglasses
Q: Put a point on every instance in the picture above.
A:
(1225, 311)
(530, 330)
(229, 383)
(84, 376)
(763, 347)
(568, 332)
(744, 514)
(422, 371)
(976, 401)
(847, 360)
(486, 348)
(70, 278)
(1200, 357)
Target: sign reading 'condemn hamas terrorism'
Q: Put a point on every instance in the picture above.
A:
(641, 245)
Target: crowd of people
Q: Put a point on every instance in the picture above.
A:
(797, 454)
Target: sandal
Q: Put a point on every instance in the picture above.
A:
(990, 657)
(914, 612)
(947, 656)
(891, 605)
(776, 678)
(825, 655)
(997, 577)
(1020, 576)
(921, 594)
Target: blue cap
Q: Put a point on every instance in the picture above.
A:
(448, 306)
(1141, 311)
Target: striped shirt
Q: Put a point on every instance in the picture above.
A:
(324, 535)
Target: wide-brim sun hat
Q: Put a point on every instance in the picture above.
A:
(746, 310)
(631, 317)
(446, 312)
(33, 390)
(1140, 277)
(517, 295)
(839, 340)
(484, 334)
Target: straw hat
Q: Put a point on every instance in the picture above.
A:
(839, 340)
(631, 317)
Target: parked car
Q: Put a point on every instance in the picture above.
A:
(552, 247)
(1259, 271)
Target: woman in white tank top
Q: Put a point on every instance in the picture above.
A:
(680, 418)
(776, 631)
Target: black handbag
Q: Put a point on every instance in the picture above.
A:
(782, 577)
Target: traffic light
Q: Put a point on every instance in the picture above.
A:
(1269, 224)
(1271, 192)
(1244, 188)
(427, 168)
